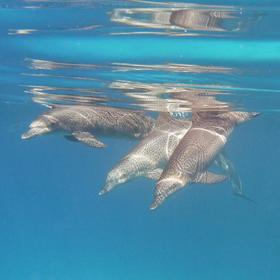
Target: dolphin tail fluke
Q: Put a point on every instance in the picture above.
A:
(88, 139)
(164, 189)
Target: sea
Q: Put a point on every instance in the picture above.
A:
(146, 56)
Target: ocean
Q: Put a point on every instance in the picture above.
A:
(149, 57)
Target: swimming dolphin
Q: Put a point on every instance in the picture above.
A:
(151, 154)
(196, 151)
(82, 121)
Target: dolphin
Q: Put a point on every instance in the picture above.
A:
(151, 154)
(196, 152)
(82, 121)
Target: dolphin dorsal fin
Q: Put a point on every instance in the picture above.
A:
(163, 118)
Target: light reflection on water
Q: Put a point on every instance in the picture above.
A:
(146, 17)
(152, 87)
(153, 96)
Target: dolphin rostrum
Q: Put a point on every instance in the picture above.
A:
(196, 151)
(81, 121)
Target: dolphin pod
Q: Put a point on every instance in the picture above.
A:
(80, 122)
(175, 152)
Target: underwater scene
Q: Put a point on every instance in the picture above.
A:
(139, 140)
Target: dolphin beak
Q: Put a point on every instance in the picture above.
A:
(107, 188)
(157, 202)
(256, 114)
(103, 191)
(35, 131)
(164, 189)
(110, 185)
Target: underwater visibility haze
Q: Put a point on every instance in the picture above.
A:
(139, 140)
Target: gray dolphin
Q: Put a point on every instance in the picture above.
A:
(150, 156)
(196, 151)
(81, 121)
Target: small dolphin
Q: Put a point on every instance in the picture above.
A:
(151, 154)
(82, 121)
(196, 151)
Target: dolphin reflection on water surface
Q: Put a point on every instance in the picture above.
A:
(196, 19)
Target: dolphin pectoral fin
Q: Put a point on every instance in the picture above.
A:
(228, 168)
(154, 174)
(88, 139)
(209, 178)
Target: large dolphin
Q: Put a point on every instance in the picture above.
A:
(196, 151)
(81, 121)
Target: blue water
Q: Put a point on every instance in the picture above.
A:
(53, 224)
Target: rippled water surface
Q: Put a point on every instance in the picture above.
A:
(141, 73)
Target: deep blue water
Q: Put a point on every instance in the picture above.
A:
(53, 224)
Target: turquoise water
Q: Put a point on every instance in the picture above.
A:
(131, 55)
